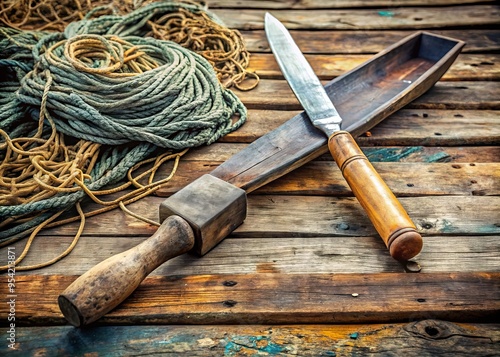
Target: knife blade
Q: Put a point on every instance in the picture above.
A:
(382, 207)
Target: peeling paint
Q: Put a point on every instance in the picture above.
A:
(391, 154)
(447, 227)
(235, 344)
(386, 13)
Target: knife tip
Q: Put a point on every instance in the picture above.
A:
(268, 17)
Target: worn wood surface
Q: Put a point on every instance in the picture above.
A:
(417, 338)
(367, 19)
(415, 127)
(322, 4)
(467, 67)
(277, 95)
(269, 215)
(306, 244)
(307, 255)
(482, 41)
(281, 298)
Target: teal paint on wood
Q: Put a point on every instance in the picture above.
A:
(258, 343)
(386, 13)
(391, 154)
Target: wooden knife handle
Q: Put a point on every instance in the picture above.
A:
(383, 208)
(106, 285)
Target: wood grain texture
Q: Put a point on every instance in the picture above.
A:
(468, 67)
(431, 127)
(324, 178)
(269, 216)
(307, 255)
(447, 215)
(426, 126)
(367, 19)
(467, 95)
(280, 298)
(420, 338)
(322, 4)
(216, 153)
(362, 42)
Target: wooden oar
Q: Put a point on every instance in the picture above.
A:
(200, 215)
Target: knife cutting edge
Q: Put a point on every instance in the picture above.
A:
(382, 207)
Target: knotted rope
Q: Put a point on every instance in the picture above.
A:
(81, 111)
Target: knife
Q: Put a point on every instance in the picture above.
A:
(197, 217)
(382, 207)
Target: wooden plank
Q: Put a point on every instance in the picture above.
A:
(310, 216)
(362, 42)
(337, 4)
(279, 299)
(456, 127)
(432, 127)
(418, 338)
(465, 154)
(277, 95)
(363, 255)
(329, 216)
(219, 152)
(463, 95)
(324, 178)
(367, 19)
(467, 67)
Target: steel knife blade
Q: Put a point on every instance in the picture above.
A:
(382, 207)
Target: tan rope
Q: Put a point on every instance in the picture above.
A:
(222, 47)
(34, 234)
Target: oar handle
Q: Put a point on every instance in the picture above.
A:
(107, 284)
(383, 208)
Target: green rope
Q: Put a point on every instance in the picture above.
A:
(175, 105)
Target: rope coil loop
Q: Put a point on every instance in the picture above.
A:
(82, 111)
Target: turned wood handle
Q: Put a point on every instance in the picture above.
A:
(383, 208)
(106, 285)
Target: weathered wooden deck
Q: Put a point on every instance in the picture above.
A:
(283, 282)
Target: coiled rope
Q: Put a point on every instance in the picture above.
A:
(187, 23)
(80, 111)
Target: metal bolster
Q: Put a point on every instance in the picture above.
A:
(328, 125)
